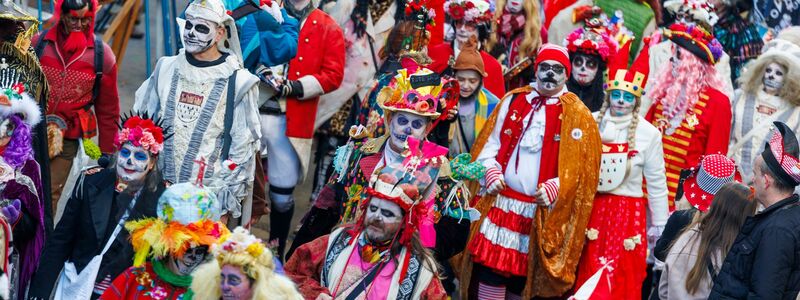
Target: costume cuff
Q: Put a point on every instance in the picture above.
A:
(310, 86)
(549, 191)
(493, 175)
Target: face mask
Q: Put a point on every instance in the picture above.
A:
(190, 260)
(550, 77)
(773, 78)
(464, 31)
(468, 82)
(234, 284)
(383, 220)
(199, 35)
(622, 103)
(584, 68)
(405, 125)
(133, 164)
(6, 131)
(514, 6)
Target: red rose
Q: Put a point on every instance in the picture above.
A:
(456, 12)
(469, 4)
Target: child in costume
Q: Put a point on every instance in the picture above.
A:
(242, 269)
(170, 247)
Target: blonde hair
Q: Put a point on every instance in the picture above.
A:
(751, 80)
(532, 32)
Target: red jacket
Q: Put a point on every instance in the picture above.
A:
(71, 85)
(494, 82)
(320, 54)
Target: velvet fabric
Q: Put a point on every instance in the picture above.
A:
(30, 248)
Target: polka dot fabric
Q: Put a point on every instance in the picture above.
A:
(714, 171)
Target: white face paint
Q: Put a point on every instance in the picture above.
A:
(514, 6)
(584, 68)
(7, 128)
(550, 77)
(468, 82)
(234, 284)
(622, 103)
(404, 125)
(383, 220)
(133, 164)
(773, 78)
(191, 259)
(465, 30)
(199, 35)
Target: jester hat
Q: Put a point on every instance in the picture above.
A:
(633, 79)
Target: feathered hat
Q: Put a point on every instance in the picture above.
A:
(141, 131)
(188, 216)
(10, 11)
(408, 183)
(13, 98)
(697, 40)
(781, 154)
(632, 79)
(416, 93)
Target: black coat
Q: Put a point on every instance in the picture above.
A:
(84, 230)
(764, 261)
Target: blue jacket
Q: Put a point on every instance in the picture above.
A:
(263, 40)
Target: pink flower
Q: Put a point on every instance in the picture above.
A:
(148, 142)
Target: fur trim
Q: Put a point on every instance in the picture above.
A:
(55, 138)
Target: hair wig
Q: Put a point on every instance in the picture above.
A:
(692, 76)
(531, 34)
(20, 148)
(265, 283)
(751, 80)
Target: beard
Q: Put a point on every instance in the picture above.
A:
(75, 42)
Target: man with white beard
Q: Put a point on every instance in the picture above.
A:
(208, 101)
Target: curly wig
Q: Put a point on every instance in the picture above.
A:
(692, 76)
(751, 80)
(532, 33)
(20, 147)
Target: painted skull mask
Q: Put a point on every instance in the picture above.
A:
(133, 164)
(235, 284)
(621, 103)
(404, 125)
(464, 31)
(191, 259)
(7, 127)
(383, 220)
(584, 68)
(550, 77)
(199, 34)
(773, 78)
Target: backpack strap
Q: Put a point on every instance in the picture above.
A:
(40, 44)
(229, 103)
(246, 9)
(99, 54)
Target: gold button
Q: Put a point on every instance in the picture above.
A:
(314, 22)
(306, 40)
(300, 58)
(297, 73)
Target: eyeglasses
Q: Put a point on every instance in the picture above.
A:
(558, 69)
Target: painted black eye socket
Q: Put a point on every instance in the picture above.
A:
(373, 208)
(417, 124)
(199, 27)
(387, 213)
(558, 69)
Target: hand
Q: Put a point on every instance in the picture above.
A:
(93, 171)
(654, 233)
(494, 181)
(12, 212)
(451, 114)
(273, 9)
(253, 221)
(547, 193)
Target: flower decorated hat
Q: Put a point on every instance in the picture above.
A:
(13, 98)
(188, 216)
(417, 93)
(593, 38)
(242, 244)
(470, 11)
(633, 79)
(697, 40)
(141, 131)
(707, 178)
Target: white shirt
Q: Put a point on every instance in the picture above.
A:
(529, 150)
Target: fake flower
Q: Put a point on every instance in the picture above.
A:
(141, 132)
(592, 234)
(631, 242)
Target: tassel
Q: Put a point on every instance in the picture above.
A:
(55, 137)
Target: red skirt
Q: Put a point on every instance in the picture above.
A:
(502, 241)
(614, 220)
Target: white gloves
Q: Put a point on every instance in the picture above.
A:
(494, 181)
(273, 9)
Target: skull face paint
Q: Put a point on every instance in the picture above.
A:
(190, 260)
(773, 78)
(469, 81)
(383, 220)
(7, 128)
(464, 31)
(199, 35)
(404, 125)
(584, 68)
(514, 6)
(550, 77)
(133, 164)
(622, 103)
(234, 284)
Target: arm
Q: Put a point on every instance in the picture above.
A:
(720, 127)
(278, 40)
(57, 249)
(331, 72)
(672, 229)
(489, 152)
(305, 266)
(146, 98)
(106, 106)
(774, 257)
(655, 176)
(119, 287)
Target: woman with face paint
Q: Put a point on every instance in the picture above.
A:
(380, 256)
(623, 218)
(769, 91)
(20, 183)
(242, 268)
(589, 49)
(470, 18)
(169, 247)
(690, 110)
(516, 30)
(100, 202)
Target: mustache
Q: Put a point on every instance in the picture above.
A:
(548, 79)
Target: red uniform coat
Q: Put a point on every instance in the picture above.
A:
(685, 147)
(71, 81)
(494, 82)
(320, 54)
